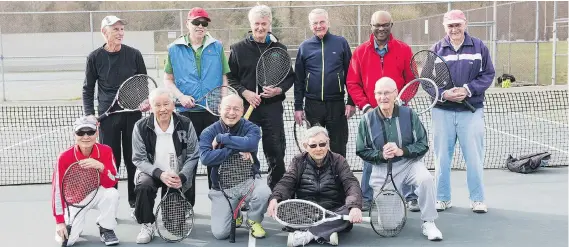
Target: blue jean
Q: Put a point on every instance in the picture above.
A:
(367, 191)
(468, 128)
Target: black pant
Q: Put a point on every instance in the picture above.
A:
(330, 114)
(145, 191)
(114, 131)
(200, 120)
(270, 118)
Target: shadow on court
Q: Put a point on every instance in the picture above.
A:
(524, 210)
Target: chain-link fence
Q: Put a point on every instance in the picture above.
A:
(43, 53)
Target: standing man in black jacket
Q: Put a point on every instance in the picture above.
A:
(268, 113)
(109, 66)
(321, 68)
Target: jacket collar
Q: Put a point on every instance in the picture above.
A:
(323, 38)
(208, 40)
(95, 154)
(271, 38)
(467, 41)
(325, 162)
(372, 40)
(233, 129)
(394, 115)
(151, 117)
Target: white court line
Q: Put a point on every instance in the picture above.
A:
(252, 240)
(31, 139)
(542, 119)
(525, 139)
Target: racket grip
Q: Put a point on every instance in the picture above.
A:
(64, 243)
(248, 113)
(102, 117)
(364, 219)
(469, 106)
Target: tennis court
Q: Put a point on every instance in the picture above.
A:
(524, 210)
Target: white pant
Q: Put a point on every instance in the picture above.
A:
(106, 201)
(410, 173)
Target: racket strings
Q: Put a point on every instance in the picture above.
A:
(299, 214)
(427, 64)
(176, 217)
(134, 91)
(273, 67)
(413, 95)
(213, 98)
(79, 185)
(388, 213)
(236, 176)
(299, 134)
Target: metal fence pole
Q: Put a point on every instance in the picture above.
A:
(495, 34)
(3, 67)
(92, 33)
(554, 50)
(181, 23)
(359, 24)
(449, 6)
(536, 69)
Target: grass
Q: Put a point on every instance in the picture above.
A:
(518, 59)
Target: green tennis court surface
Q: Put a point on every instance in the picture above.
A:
(524, 210)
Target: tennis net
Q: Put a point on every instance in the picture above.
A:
(516, 123)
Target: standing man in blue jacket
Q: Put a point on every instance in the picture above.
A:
(473, 72)
(196, 64)
(321, 68)
(230, 135)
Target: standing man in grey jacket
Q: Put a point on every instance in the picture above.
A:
(154, 138)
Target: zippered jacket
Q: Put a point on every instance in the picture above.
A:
(367, 67)
(321, 70)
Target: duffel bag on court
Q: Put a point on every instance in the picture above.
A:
(528, 163)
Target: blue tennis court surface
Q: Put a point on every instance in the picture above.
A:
(524, 210)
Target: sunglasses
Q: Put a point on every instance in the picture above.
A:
(322, 144)
(83, 132)
(197, 22)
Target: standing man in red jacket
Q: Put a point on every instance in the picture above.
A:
(380, 56)
(90, 155)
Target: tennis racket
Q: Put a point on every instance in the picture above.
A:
(272, 68)
(388, 212)
(236, 181)
(174, 215)
(407, 95)
(299, 131)
(79, 187)
(297, 213)
(212, 100)
(131, 94)
(427, 64)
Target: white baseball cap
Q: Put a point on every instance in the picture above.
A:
(111, 20)
(85, 122)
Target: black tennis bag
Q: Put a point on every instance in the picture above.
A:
(528, 163)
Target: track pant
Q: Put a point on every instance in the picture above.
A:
(323, 231)
(410, 173)
(106, 201)
(367, 192)
(468, 128)
(270, 118)
(145, 191)
(114, 131)
(331, 115)
(200, 120)
(221, 213)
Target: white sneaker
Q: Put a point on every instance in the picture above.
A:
(479, 207)
(431, 231)
(334, 239)
(146, 234)
(443, 205)
(299, 238)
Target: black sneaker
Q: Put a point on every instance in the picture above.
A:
(108, 237)
(413, 206)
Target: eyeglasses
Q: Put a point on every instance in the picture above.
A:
(322, 144)
(197, 22)
(83, 132)
(386, 25)
(385, 93)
